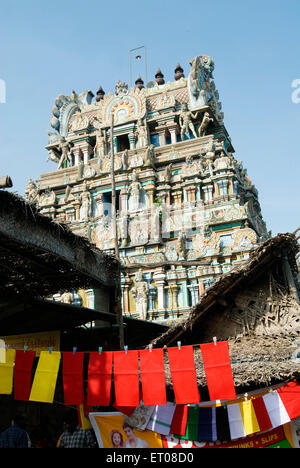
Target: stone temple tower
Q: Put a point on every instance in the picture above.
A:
(186, 210)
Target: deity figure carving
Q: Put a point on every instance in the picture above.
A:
(85, 203)
(123, 229)
(89, 171)
(141, 134)
(47, 198)
(53, 155)
(167, 173)
(185, 121)
(134, 190)
(204, 124)
(190, 167)
(199, 80)
(80, 123)
(180, 247)
(223, 162)
(80, 170)
(124, 158)
(101, 144)
(121, 88)
(136, 160)
(140, 292)
(31, 192)
(149, 159)
(65, 148)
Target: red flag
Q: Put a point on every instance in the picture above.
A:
(183, 373)
(153, 377)
(262, 414)
(179, 420)
(216, 361)
(99, 378)
(22, 374)
(72, 371)
(290, 397)
(126, 377)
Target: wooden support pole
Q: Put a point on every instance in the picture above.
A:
(118, 304)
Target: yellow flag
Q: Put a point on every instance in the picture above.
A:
(249, 418)
(85, 422)
(44, 382)
(7, 372)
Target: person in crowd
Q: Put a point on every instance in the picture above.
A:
(73, 435)
(16, 436)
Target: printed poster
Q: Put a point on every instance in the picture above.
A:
(113, 430)
(280, 437)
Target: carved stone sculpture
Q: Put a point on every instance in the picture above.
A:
(142, 134)
(85, 203)
(185, 121)
(150, 156)
(140, 292)
(31, 192)
(134, 190)
(180, 247)
(64, 147)
(204, 124)
(101, 143)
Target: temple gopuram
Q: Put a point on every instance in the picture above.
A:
(186, 210)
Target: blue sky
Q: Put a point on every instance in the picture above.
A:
(48, 48)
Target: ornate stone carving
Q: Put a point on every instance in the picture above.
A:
(85, 200)
(149, 159)
(180, 247)
(80, 122)
(204, 124)
(141, 134)
(138, 230)
(101, 144)
(31, 192)
(190, 167)
(121, 88)
(134, 191)
(47, 198)
(185, 121)
(140, 291)
(123, 107)
(244, 239)
(201, 87)
(65, 157)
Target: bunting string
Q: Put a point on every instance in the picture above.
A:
(138, 377)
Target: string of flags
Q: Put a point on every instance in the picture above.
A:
(187, 417)
(125, 368)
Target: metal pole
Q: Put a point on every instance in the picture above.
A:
(113, 189)
(145, 60)
(118, 305)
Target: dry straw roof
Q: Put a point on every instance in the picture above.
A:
(256, 360)
(40, 257)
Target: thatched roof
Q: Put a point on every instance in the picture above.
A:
(256, 362)
(238, 278)
(258, 357)
(40, 257)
